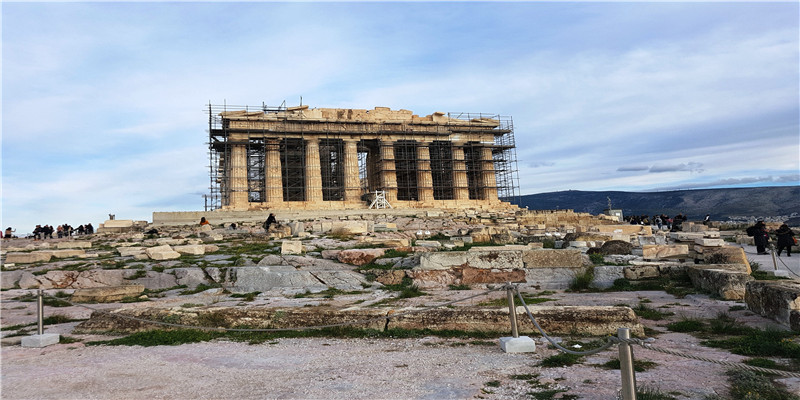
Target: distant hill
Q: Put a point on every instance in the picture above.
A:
(722, 204)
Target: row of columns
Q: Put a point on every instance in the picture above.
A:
(352, 194)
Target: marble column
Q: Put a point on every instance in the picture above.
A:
(274, 183)
(238, 178)
(352, 183)
(388, 174)
(313, 172)
(488, 178)
(424, 177)
(460, 187)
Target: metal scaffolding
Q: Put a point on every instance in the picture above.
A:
(419, 163)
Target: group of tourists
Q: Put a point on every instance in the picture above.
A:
(672, 224)
(42, 232)
(266, 225)
(784, 234)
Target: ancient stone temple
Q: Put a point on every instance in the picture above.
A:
(328, 158)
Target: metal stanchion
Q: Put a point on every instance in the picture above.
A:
(512, 310)
(774, 262)
(626, 366)
(40, 311)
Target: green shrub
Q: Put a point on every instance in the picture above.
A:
(597, 258)
(686, 325)
(638, 365)
(459, 287)
(648, 313)
(748, 385)
(560, 360)
(582, 281)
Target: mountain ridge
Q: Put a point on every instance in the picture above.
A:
(773, 202)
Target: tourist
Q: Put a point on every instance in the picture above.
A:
(707, 220)
(785, 239)
(203, 221)
(89, 228)
(232, 226)
(60, 231)
(81, 230)
(659, 223)
(270, 220)
(677, 223)
(9, 233)
(761, 237)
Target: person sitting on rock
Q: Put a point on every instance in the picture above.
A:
(270, 220)
(203, 221)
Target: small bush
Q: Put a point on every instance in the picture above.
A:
(748, 385)
(648, 313)
(582, 280)
(597, 258)
(686, 325)
(246, 296)
(560, 360)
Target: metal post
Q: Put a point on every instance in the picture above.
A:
(512, 310)
(774, 262)
(626, 366)
(40, 311)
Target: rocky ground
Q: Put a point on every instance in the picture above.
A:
(424, 367)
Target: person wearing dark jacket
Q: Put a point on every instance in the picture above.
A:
(761, 237)
(785, 239)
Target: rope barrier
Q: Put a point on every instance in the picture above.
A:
(302, 328)
(553, 342)
(646, 344)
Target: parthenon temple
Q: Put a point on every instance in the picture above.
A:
(331, 158)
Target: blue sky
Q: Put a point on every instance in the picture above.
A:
(103, 105)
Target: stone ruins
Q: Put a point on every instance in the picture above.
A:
(331, 158)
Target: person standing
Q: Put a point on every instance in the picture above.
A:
(785, 239)
(761, 237)
(270, 220)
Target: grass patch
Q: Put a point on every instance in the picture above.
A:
(16, 327)
(561, 360)
(686, 325)
(139, 274)
(736, 308)
(650, 393)
(459, 287)
(406, 289)
(549, 394)
(638, 365)
(200, 288)
(68, 339)
(492, 384)
(648, 313)
(749, 385)
(393, 253)
(246, 296)
(761, 343)
(583, 280)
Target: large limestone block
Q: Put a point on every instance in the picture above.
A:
(342, 280)
(190, 277)
(170, 241)
(262, 279)
(685, 236)
(428, 243)
(546, 258)
(558, 278)
(392, 242)
(493, 259)
(777, 300)
(130, 251)
(291, 247)
(66, 253)
(160, 253)
(557, 320)
(106, 294)
(732, 254)
(359, 256)
(74, 279)
(709, 242)
(605, 275)
(28, 258)
(74, 244)
(442, 260)
(624, 229)
(192, 249)
(349, 228)
(662, 252)
(730, 285)
(10, 279)
(639, 272)
(118, 223)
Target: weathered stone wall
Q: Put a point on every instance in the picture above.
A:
(778, 300)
